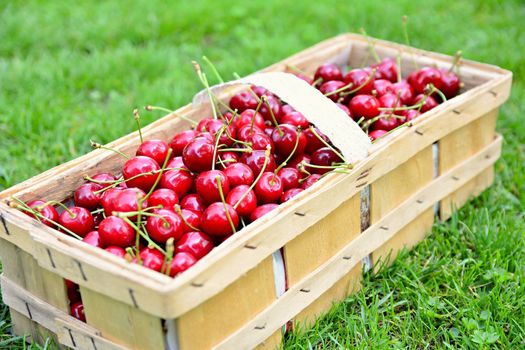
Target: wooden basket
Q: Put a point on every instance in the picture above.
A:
(231, 299)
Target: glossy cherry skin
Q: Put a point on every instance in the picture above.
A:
(177, 163)
(195, 243)
(275, 105)
(328, 71)
(450, 83)
(312, 141)
(289, 177)
(404, 90)
(247, 204)
(77, 219)
(117, 251)
(289, 194)
(137, 166)
(358, 77)
(328, 87)
(107, 199)
(248, 117)
(163, 197)
(48, 212)
(198, 154)
(245, 132)
(180, 140)
(239, 174)
(285, 109)
(155, 149)
(73, 294)
(297, 161)
(152, 259)
(193, 218)
(425, 76)
(269, 188)
(411, 79)
(260, 141)
(106, 179)
(128, 199)
(410, 114)
(261, 91)
(227, 158)
(194, 202)
(255, 160)
(381, 87)
(164, 226)
(93, 238)
(115, 231)
(214, 220)
(386, 69)
(374, 135)
(207, 185)
(285, 138)
(77, 311)
(180, 263)
(227, 135)
(364, 106)
(262, 210)
(243, 101)
(296, 119)
(385, 123)
(310, 181)
(389, 100)
(324, 157)
(429, 103)
(180, 181)
(86, 197)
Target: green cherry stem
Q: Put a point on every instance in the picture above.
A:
(223, 200)
(144, 235)
(178, 210)
(213, 69)
(266, 161)
(136, 116)
(162, 109)
(328, 145)
(371, 45)
(96, 145)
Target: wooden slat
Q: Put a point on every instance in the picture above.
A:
(222, 315)
(459, 145)
(315, 246)
(311, 287)
(394, 188)
(121, 323)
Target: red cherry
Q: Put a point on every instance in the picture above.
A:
(214, 126)
(374, 135)
(117, 251)
(193, 202)
(86, 197)
(115, 231)
(108, 198)
(410, 114)
(310, 181)
(77, 311)
(227, 158)
(246, 131)
(304, 77)
(328, 87)
(296, 119)
(165, 225)
(285, 109)
(248, 203)
(450, 83)
(262, 210)
(275, 105)
(261, 91)
(312, 142)
(285, 138)
(269, 188)
(411, 79)
(328, 71)
(381, 87)
(289, 194)
(386, 69)
(404, 90)
(425, 76)
(152, 259)
(180, 181)
(48, 212)
(73, 293)
(243, 101)
(255, 160)
(389, 100)
(180, 263)
(248, 117)
(429, 103)
(268, 130)
(155, 149)
(207, 186)
(77, 219)
(260, 141)
(93, 238)
(193, 218)
(296, 161)
(239, 174)
(364, 106)
(357, 77)
(127, 201)
(141, 167)
(214, 220)
(195, 243)
(164, 197)
(324, 157)
(198, 154)
(385, 123)
(289, 177)
(177, 164)
(107, 179)
(180, 140)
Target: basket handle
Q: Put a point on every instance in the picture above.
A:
(317, 108)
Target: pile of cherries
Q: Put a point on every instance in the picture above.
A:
(174, 202)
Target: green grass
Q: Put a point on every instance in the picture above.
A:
(74, 71)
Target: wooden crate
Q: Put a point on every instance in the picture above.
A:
(229, 299)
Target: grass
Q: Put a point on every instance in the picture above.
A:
(72, 71)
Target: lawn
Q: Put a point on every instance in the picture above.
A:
(71, 71)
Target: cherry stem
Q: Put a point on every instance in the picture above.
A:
(98, 145)
(283, 164)
(333, 167)
(255, 113)
(341, 89)
(248, 149)
(317, 81)
(407, 41)
(266, 161)
(370, 77)
(24, 207)
(281, 133)
(88, 178)
(398, 61)
(218, 178)
(136, 116)
(296, 69)
(371, 45)
(217, 139)
(156, 108)
(328, 145)
(456, 62)
(407, 124)
(178, 210)
(60, 204)
(204, 81)
(144, 235)
(170, 249)
(213, 68)
(96, 211)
